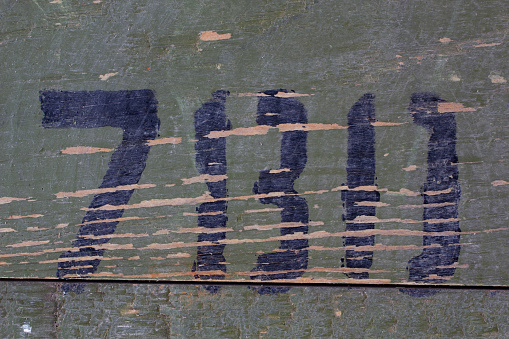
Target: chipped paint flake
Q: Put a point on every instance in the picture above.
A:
(213, 36)
(488, 45)
(25, 216)
(85, 150)
(7, 200)
(84, 193)
(497, 79)
(203, 178)
(410, 168)
(499, 182)
(106, 76)
(163, 141)
(29, 243)
(451, 107)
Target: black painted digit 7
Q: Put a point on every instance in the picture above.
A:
(136, 113)
(272, 111)
(441, 192)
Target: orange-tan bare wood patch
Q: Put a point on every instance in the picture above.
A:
(84, 193)
(85, 150)
(213, 36)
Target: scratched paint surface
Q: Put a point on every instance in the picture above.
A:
(331, 53)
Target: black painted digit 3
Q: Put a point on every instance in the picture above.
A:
(135, 112)
(273, 111)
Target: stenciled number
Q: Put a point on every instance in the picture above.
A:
(135, 112)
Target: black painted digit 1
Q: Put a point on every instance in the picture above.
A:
(293, 256)
(211, 160)
(441, 192)
(360, 172)
(136, 113)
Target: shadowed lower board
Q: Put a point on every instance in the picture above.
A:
(109, 310)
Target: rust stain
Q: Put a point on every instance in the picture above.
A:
(452, 107)
(204, 178)
(85, 150)
(213, 36)
(164, 141)
(499, 182)
(29, 243)
(84, 193)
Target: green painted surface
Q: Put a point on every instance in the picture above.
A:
(162, 311)
(334, 50)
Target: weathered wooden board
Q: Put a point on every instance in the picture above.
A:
(109, 310)
(134, 132)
